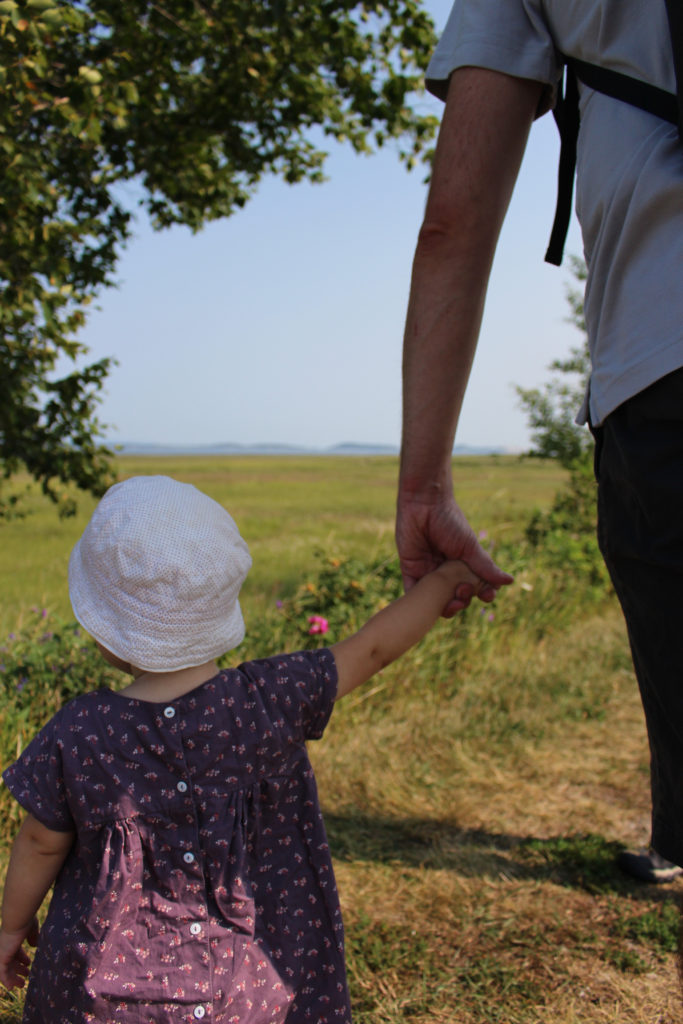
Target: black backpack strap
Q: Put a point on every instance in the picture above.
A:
(612, 83)
(566, 114)
(631, 90)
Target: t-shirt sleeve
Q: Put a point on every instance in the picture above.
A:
(510, 36)
(36, 779)
(301, 687)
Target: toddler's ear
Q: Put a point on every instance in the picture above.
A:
(111, 659)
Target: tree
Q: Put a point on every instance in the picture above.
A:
(195, 101)
(551, 410)
(565, 535)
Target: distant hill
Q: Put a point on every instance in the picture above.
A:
(345, 448)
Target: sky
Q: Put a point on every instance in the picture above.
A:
(283, 323)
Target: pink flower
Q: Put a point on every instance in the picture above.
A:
(317, 624)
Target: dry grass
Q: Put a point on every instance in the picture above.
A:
(476, 866)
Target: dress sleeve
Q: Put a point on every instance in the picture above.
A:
(301, 687)
(36, 779)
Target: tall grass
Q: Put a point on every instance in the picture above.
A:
(286, 508)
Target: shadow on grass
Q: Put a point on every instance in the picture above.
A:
(587, 862)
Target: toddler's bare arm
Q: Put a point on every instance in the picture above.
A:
(396, 628)
(37, 856)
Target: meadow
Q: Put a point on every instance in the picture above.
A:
(476, 793)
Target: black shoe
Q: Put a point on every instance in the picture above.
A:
(648, 866)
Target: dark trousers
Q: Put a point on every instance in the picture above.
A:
(639, 469)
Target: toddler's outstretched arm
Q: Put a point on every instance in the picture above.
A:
(37, 856)
(396, 628)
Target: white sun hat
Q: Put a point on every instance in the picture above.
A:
(155, 578)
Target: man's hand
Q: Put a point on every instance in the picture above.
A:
(428, 534)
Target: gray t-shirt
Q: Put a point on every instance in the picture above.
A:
(629, 198)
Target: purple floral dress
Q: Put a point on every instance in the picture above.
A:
(200, 885)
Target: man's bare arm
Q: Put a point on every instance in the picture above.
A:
(481, 143)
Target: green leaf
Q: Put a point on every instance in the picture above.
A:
(53, 17)
(91, 75)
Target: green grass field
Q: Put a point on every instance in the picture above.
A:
(285, 507)
(477, 791)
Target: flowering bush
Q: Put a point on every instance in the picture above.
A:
(340, 598)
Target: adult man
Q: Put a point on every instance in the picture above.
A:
(497, 66)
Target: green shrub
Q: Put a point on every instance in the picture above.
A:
(42, 666)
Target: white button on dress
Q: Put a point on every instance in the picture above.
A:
(195, 928)
(188, 857)
(199, 1012)
(182, 787)
(169, 712)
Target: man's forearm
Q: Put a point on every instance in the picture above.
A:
(441, 333)
(481, 144)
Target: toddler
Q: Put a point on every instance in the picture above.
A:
(178, 817)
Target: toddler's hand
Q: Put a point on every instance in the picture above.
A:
(465, 583)
(14, 961)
